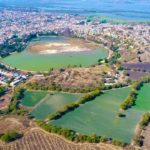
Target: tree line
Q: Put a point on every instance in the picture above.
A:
(71, 106)
(14, 108)
(136, 86)
(76, 137)
(138, 139)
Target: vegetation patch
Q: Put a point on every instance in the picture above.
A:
(70, 107)
(52, 103)
(10, 136)
(31, 98)
(76, 137)
(136, 86)
(90, 118)
(143, 98)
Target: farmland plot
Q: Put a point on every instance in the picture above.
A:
(31, 98)
(143, 98)
(39, 140)
(90, 118)
(52, 103)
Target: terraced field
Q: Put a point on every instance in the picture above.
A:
(39, 140)
(91, 117)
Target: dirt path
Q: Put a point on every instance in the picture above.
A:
(41, 101)
(146, 135)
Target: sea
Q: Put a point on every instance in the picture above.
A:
(118, 9)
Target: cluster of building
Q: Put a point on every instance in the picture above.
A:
(11, 77)
(124, 36)
(131, 39)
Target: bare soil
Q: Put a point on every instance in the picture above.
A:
(146, 135)
(71, 45)
(15, 123)
(37, 139)
(74, 78)
(5, 100)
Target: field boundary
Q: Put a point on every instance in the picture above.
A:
(41, 101)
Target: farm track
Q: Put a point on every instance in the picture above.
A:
(41, 101)
(37, 139)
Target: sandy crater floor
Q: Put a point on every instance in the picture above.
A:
(72, 45)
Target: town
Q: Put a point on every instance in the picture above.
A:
(73, 81)
(131, 39)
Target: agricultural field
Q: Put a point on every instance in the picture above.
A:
(90, 118)
(37, 139)
(43, 103)
(31, 98)
(136, 75)
(138, 66)
(143, 99)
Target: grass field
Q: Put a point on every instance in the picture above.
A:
(52, 103)
(36, 139)
(143, 99)
(95, 117)
(100, 117)
(31, 98)
(44, 62)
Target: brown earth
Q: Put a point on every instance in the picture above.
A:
(37, 139)
(15, 123)
(135, 56)
(146, 135)
(5, 100)
(74, 78)
(66, 46)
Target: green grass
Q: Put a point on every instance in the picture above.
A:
(42, 62)
(143, 98)
(95, 117)
(31, 98)
(53, 103)
(100, 117)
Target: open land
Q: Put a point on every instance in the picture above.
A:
(90, 117)
(45, 103)
(31, 98)
(41, 140)
(79, 79)
(70, 45)
(95, 122)
(146, 137)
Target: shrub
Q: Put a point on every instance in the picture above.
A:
(138, 141)
(85, 98)
(118, 143)
(18, 94)
(2, 90)
(130, 100)
(145, 120)
(121, 114)
(10, 136)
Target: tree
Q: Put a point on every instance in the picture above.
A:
(10, 136)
